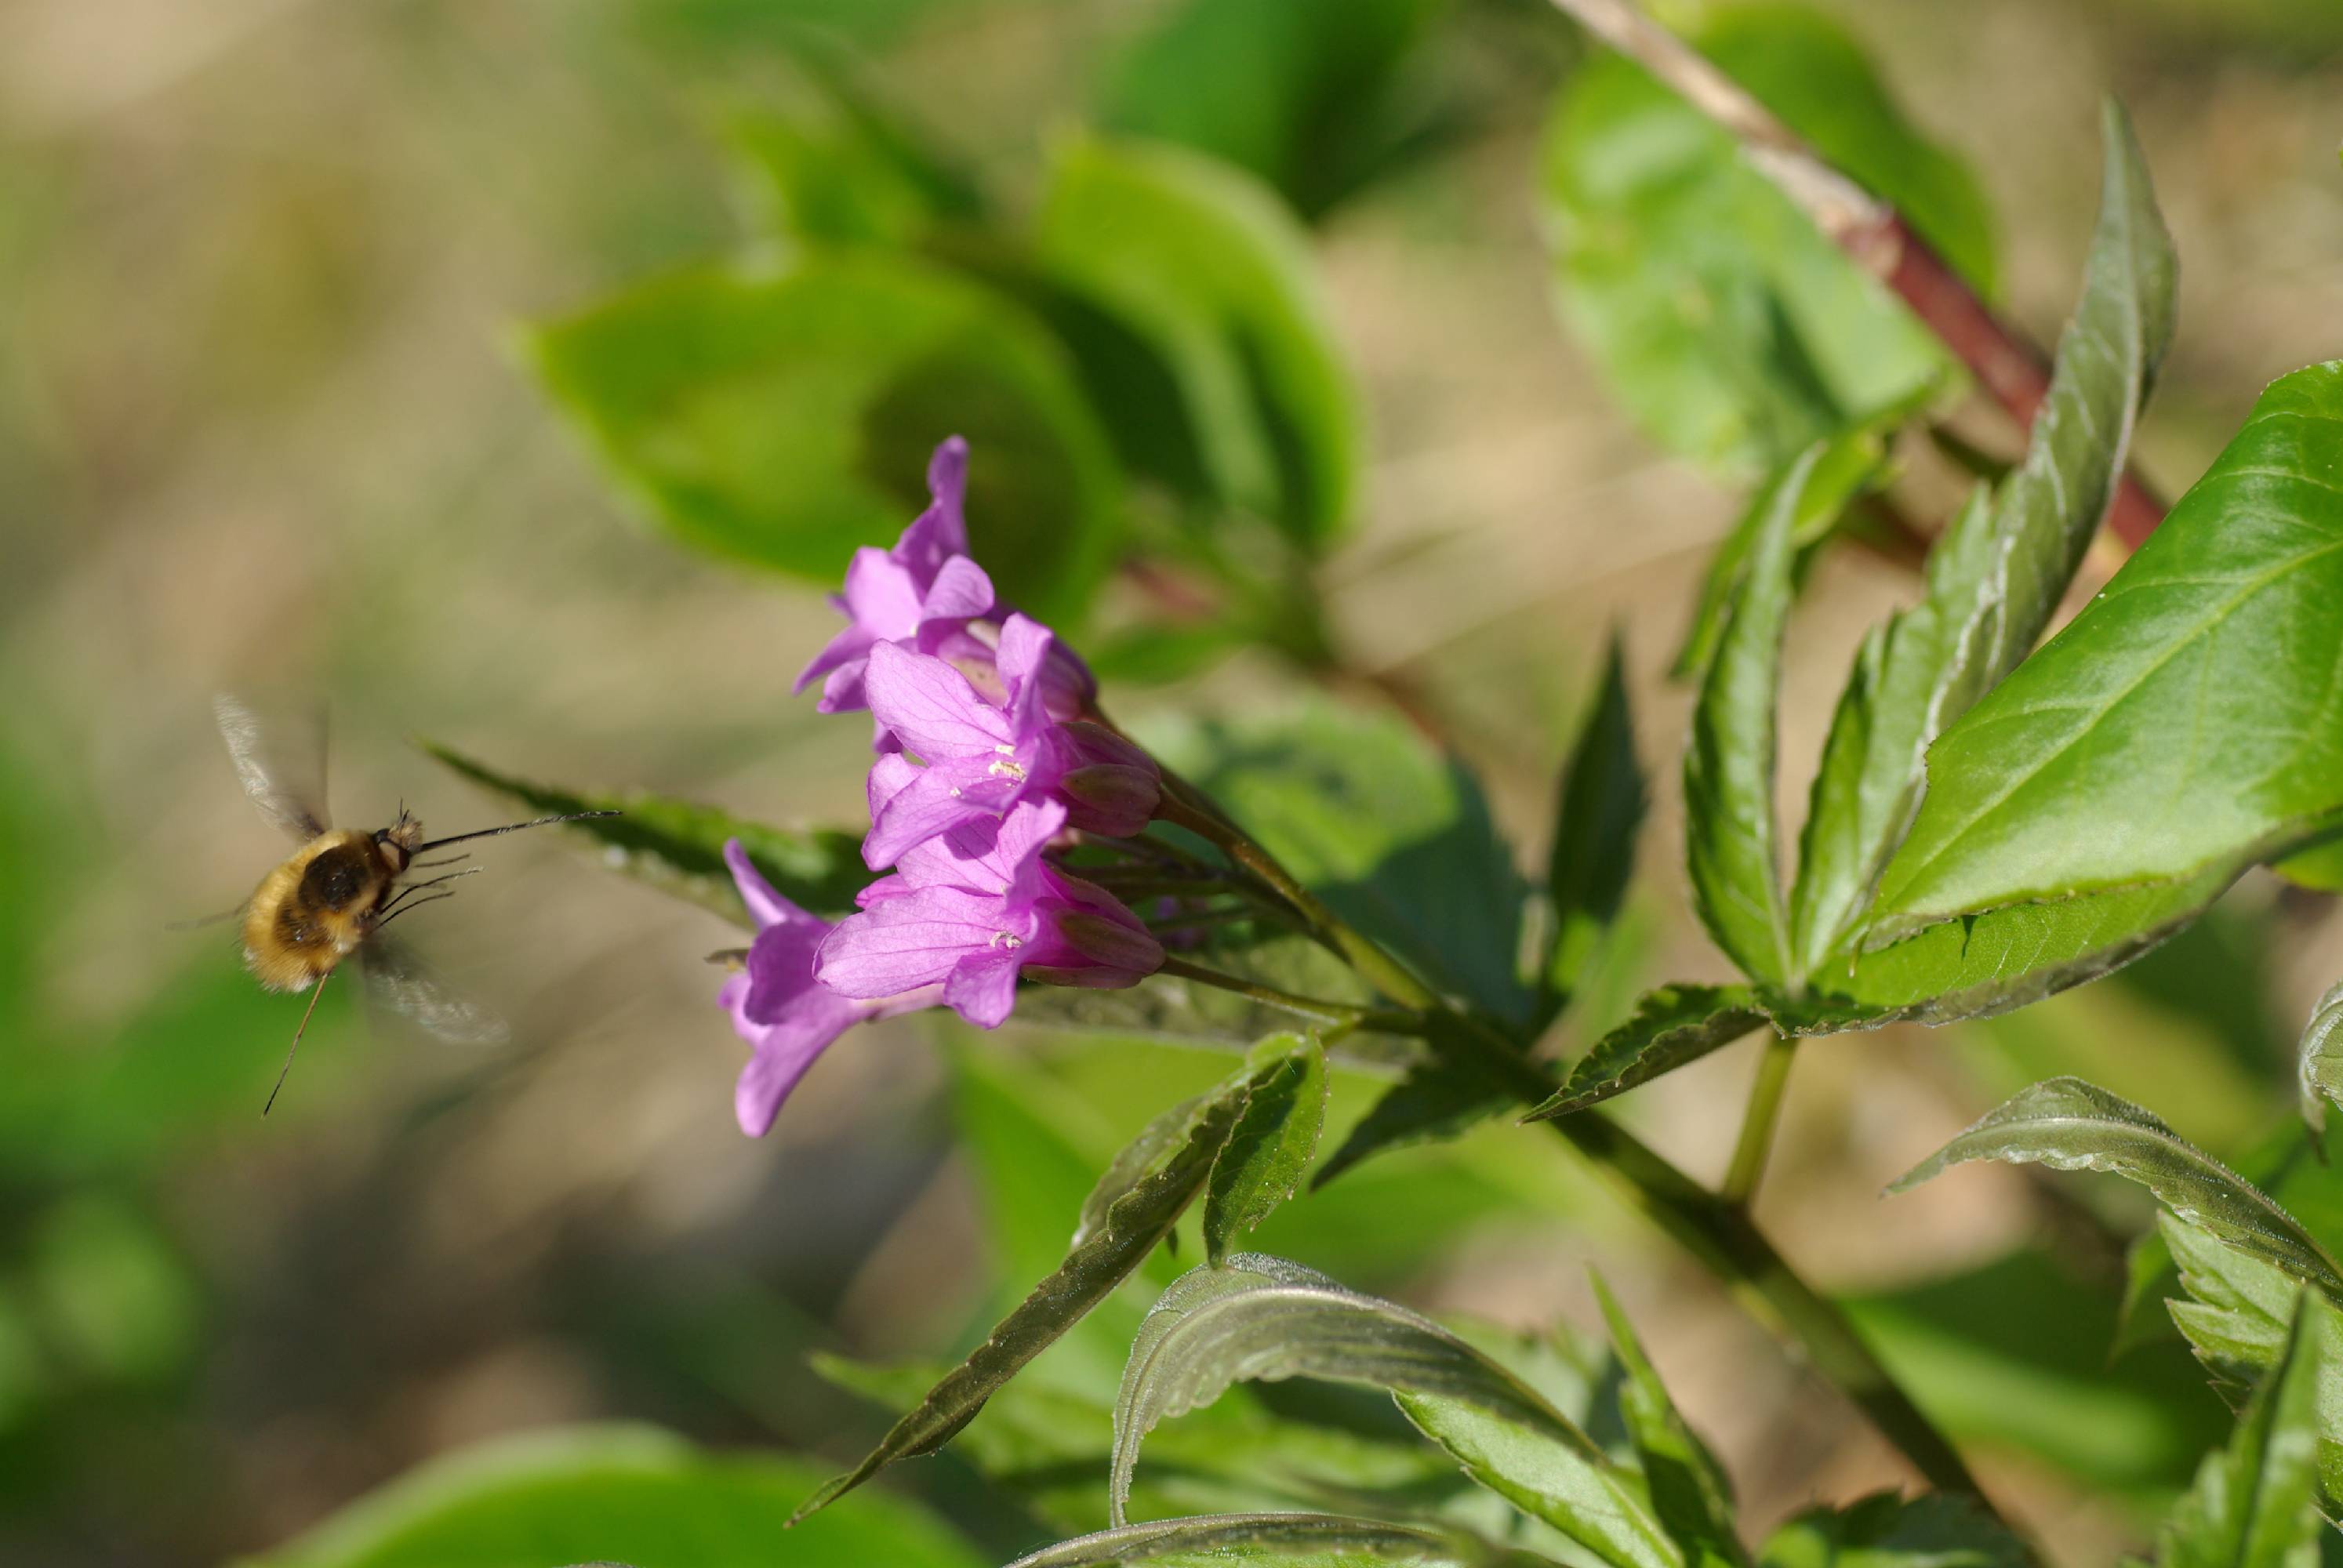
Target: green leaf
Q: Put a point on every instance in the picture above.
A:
(1731, 329)
(1312, 96)
(1597, 812)
(1133, 1225)
(634, 1494)
(1728, 769)
(1329, 1541)
(2236, 1308)
(1689, 1489)
(2070, 1125)
(1272, 1143)
(1887, 1529)
(1395, 837)
(2319, 1060)
(1265, 1318)
(1995, 578)
(1671, 1026)
(1216, 277)
(2256, 1504)
(1439, 1098)
(784, 417)
(679, 847)
(1851, 464)
(836, 167)
(2185, 718)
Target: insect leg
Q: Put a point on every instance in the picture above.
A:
(317, 992)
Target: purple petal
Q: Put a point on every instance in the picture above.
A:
(940, 798)
(941, 532)
(983, 987)
(767, 907)
(900, 944)
(931, 705)
(847, 648)
(962, 592)
(1024, 650)
(780, 1061)
(985, 853)
(890, 774)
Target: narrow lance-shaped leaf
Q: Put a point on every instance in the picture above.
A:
(2320, 1064)
(1671, 1026)
(2071, 1125)
(1272, 1143)
(1597, 812)
(1886, 1530)
(1998, 573)
(1266, 1318)
(677, 847)
(2255, 1503)
(1327, 1540)
(1133, 1225)
(1728, 770)
(1850, 462)
(1689, 1489)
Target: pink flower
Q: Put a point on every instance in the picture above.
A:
(787, 1017)
(973, 906)
(929, 595)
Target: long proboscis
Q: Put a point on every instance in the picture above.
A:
(514, 828)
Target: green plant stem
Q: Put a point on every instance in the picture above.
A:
(1714, 1229)
(1318, 1009)
(1757, 1123)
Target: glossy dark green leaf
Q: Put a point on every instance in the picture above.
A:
(1216, 277)
(1438, 1098)
(679, 847)
(2070, 1125)
(1133, 1225)
(1326, 1540)
(1313, 97)
(2320, 1059)
(1851, 464)
(1265, 1318)
(1887, 1529)
(1671, 1026)
(634, 1494)
(1274, 1142)
(1731, 329)
(1598, 810)
(1730, 828)
(2185, 717)
(1995, 578)
(2256, 1504)
(1689, 1490)
(782, 415)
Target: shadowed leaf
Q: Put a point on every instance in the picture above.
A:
(1273, 1142)
(1671, 1026)
(1327, 1540)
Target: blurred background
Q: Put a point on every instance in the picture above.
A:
(266, 423)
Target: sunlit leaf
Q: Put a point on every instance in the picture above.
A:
(782, 415)
(2000, 570)
(1326, 1540)
(677, 847)
(1216, 277)
(1731, 329)
(2319, 1057)
(598, 1494)
(1265, 1318)
(2255, 1503)
(1671, 1026)
(1272, 1143)
(1689, 1490)
(2070, 1125)
(1728, 769)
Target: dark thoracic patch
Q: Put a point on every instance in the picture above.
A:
(294, 925)
(335, 879)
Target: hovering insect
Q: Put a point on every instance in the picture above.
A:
(341, 888)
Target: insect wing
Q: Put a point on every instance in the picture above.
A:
(282, 766)
(397, 980)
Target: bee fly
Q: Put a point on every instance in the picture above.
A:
(341, 888)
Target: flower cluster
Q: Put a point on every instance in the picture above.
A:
(989, 755)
